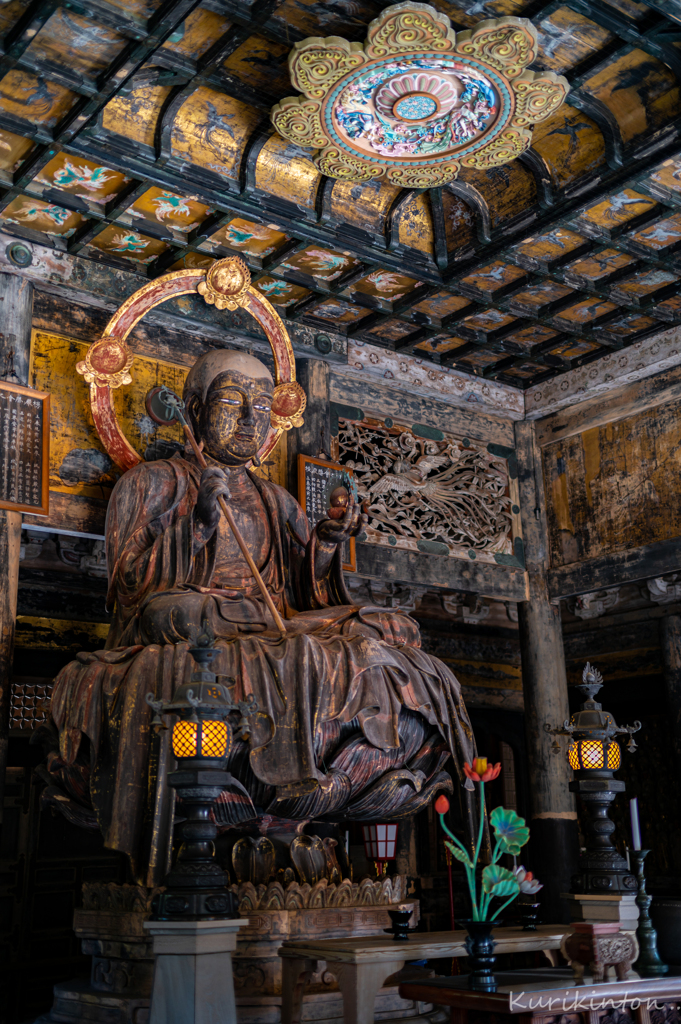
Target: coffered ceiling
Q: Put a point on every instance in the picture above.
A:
(137, 133)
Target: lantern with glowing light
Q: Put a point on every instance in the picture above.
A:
(595, 755)
(380, 841)
(197, 887)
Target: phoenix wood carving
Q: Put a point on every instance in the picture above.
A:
(445, 496)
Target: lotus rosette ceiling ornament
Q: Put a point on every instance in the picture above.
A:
(416, 102)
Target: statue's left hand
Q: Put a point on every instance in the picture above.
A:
(337, 531)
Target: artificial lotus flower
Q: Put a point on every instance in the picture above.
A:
(480, 770)
(441, 804)
(510, 830)
(527, 882)
(511, 833)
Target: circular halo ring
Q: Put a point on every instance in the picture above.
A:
(496, 78)
(129, 314)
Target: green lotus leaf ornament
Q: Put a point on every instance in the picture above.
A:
(510, 830)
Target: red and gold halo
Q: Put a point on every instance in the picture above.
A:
(226, 285)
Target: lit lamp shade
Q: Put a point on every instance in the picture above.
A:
(590, 755)
(380, 841)
(207, 738)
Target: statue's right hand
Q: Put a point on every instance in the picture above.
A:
(214, 484)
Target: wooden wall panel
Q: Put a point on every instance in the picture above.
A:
(614, 487)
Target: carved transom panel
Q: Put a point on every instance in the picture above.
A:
(417, 101)
(434, 493)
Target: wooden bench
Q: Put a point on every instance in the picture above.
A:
(362, 965)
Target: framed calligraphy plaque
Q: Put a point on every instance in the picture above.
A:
(24, 449)
(317, 478)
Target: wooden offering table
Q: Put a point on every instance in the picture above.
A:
(363, 965)
(551, 996)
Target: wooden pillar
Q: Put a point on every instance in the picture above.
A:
(314, 436)
(405, 850)
(554, 845)
(670, 642)
(16, 310)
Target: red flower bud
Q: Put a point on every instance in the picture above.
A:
(442, 804)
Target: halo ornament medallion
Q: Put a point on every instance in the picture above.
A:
(417, 101)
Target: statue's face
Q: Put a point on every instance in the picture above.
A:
(235, 418)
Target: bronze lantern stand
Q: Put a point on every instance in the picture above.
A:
(197, 888)
(595, 756)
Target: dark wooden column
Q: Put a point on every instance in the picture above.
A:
(670, 642)
(315, 434)
(554, 846)
(16, 310)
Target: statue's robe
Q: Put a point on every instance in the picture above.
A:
(339, 666)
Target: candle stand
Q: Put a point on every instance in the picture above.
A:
(648, 964)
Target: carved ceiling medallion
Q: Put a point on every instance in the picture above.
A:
(417, 101)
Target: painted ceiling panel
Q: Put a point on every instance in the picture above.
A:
(156, 152)
(198, 32)
(75, 44)
(211, 130)
(13, 149)
(134, 116)
(31, 98)
(83, 178)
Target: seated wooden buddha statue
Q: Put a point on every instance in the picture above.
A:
(355, 721)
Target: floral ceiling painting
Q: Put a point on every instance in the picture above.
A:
(417, 101)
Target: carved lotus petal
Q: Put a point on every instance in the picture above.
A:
(417, 101)
(409, 26)
(442, 93)
(297, 119)
(423, 177)
(508, 46)
(337, 164)
(315, 64)
(537, 97)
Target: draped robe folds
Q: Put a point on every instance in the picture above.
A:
(338, 663)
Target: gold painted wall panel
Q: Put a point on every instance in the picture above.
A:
(211, 130)
(281, 170)
(135, 116)
(507, 190)
(614, 487)
(459, 221)
(365, 205)
(415, 227)
(34, 99)
(79, 464)
(570, 143)
(641, 92)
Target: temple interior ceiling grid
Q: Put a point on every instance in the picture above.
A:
(136, 133)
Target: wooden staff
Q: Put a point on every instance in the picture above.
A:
(171, 402)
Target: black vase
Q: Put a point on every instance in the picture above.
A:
(480, 948)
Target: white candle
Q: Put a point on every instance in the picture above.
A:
(635, 826)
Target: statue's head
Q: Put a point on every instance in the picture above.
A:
(228, 396)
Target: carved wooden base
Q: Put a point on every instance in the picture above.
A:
(111, 928)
